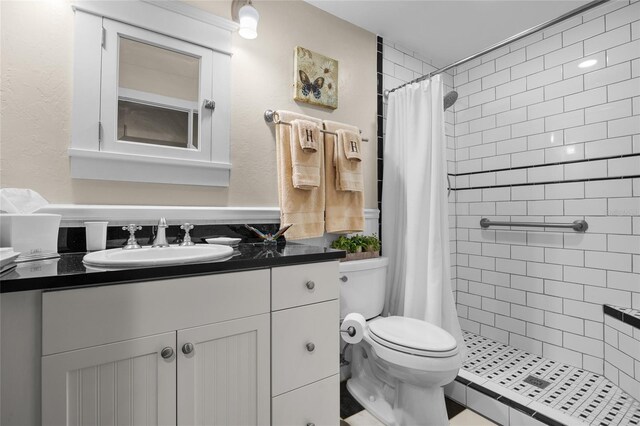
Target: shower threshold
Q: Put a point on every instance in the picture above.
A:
(492, 382)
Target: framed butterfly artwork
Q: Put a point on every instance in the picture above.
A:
(316, 78)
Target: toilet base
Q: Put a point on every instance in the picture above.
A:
(420, 405)
(414, 406)
(372, 400)
(395, 402)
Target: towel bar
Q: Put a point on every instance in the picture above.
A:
(270, 116)
(577, 225)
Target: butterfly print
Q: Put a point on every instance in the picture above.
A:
(308, 86)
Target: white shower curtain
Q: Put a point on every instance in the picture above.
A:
(415, 224)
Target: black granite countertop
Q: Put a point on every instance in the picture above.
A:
(68, 271)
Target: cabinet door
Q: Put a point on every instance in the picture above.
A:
(124, 383)
(224, 379)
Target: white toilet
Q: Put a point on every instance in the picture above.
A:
(400, 366)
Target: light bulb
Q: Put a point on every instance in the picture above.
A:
(249, 17)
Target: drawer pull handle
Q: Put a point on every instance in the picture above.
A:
(167, 352)
(187, 348)
(310, 285)
(311, 347)
(344, 278)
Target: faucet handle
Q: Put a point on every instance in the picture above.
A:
(186, 241)
(132, 228)
(132, 243)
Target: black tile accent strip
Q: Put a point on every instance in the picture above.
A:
(516, 405)
(380, 125)
(617, 313)
(483, 390)
(632, 321)
(559, 163)
(547, 420)
(612, 312)
(462, 380)
(551, 182)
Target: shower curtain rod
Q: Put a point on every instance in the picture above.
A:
(511, 39)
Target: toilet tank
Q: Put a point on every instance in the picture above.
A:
(362, 286)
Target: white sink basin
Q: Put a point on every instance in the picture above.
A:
(155, 256)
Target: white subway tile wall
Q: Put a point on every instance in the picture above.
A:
(622, 355)
(542, 136)
(533, 134)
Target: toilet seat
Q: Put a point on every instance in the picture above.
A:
(412, 336)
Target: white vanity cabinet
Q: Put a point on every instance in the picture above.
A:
(185, 351)
(305, 345)
(244, 348)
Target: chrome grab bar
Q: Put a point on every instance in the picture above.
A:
(577, 225)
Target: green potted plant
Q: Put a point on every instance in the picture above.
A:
(358, 246)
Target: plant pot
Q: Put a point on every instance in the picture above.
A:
(361, 256)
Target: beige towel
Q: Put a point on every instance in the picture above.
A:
(348, 171)
(344, 210)
(351, 142)
(303, 209)
(305, 162)
(309, 134)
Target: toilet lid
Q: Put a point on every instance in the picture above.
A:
(412, 334)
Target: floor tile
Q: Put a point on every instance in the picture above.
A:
(573, 395)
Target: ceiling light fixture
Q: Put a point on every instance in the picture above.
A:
(243, 12)
(588, 63)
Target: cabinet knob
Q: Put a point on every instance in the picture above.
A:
(167, 352)
(311, 424)
(310, 285)
(311, 347)
(187, 348)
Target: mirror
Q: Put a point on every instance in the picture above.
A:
(157, 95)
(161, 111)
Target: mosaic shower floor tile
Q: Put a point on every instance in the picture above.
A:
(573, 393)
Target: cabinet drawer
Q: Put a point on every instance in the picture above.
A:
(290, 284)
(293, 331)
(317, 403)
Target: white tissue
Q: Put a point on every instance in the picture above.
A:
(20, 200)
(358, 323)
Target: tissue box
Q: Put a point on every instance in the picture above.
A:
(30, 234)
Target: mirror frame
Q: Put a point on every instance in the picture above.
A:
(89, 157)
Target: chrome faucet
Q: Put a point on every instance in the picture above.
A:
(161, 237)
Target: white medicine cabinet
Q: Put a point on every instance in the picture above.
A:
(151, 96)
